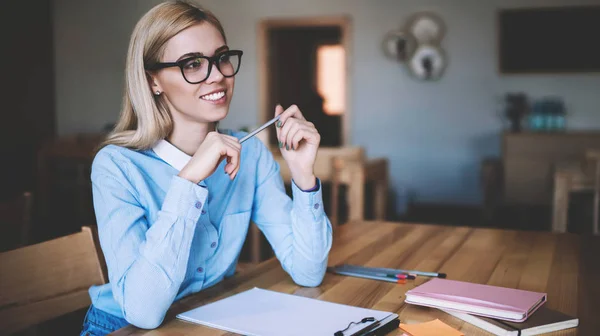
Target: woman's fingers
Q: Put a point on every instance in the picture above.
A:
(278, 110)
(291, 112)
(233, 161)
(230, 149)
(291, 127)
(233, 141)
(304, 133)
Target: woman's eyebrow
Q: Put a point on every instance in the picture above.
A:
(190, 54)
(195, 54)
(221, 48)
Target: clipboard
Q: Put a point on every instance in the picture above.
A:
(260, 312)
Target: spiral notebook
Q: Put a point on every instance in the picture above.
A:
(260, 312)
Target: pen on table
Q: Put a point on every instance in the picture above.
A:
(392, 270)
(376, 273)
(256, 131)
(367, 276)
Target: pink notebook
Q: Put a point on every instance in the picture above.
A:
(491, 301)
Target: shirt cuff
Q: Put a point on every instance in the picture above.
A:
(185, 198)
(309, 201)
(315, 188)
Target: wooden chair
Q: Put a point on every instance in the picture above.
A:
(356, 172)
(47, 280)
(572, 177)
(16, 222)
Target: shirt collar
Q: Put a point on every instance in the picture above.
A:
(171, 154)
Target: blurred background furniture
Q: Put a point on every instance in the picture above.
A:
(594, 156)
(64, 195)
(43, 281)
(348, 166)
(575, 176)
(569, 177)
(355, 173)
(534, 180)
(529, 159)
(15, 221)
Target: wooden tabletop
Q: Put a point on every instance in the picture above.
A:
(565, 266)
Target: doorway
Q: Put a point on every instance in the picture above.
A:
(305, 62)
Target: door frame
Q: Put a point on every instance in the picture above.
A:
(344, 22)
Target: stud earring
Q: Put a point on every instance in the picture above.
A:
(157, 93)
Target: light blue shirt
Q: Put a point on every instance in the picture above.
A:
(165, 237)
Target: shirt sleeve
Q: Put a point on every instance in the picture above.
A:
(146, 261)
(299, 230)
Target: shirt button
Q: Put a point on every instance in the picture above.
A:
(198, 205)
(203, 211)
(316, 206)
(213, 245)
(200, 269)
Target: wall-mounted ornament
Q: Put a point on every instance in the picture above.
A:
(427, 27)
(399, 45)
(428, 62)
(418, 45)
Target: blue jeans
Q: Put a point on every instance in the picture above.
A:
(100, 323)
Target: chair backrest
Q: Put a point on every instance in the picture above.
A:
(329, 158)
(43, 281)
(324, 163)
(592, 160)
(16, 221)
(337, 161)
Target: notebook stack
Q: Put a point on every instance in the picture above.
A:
(499, 310)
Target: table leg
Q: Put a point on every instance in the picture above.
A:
(597, 199)
(356, 193)
(381, 185)
(561, 203)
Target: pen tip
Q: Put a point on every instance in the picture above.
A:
(442, 275)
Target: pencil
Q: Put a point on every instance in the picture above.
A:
(256, 131)
(366, 276)
(377, 273)
(392, 270)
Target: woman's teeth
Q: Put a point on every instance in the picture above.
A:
(213, 96)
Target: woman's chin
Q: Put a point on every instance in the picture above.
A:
(215, 114)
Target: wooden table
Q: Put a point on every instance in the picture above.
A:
(565, 266)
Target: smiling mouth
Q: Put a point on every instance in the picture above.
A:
(213, 96)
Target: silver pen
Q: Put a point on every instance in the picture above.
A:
(253, 133)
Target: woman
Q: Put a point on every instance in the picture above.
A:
(174, 197)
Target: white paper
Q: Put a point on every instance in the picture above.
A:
(260, 312)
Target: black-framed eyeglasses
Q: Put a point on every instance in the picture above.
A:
(196, 69)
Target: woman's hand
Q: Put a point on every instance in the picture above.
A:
(298, 141)
(211, 152)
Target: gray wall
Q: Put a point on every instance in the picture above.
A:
(435, 134)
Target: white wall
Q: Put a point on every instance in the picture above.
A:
(435, 134)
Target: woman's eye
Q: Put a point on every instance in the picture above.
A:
(194, 64)
(224, 58)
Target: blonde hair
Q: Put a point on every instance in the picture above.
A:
(145, 118)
